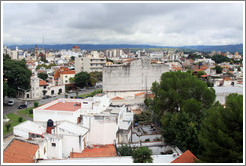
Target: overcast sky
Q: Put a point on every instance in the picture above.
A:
(129, 23)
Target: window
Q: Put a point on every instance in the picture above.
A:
(66, 81)
(53, 144)
(85, 102)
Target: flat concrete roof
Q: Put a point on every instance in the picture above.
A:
(66, 106)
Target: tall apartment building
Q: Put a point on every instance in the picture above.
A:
(89, 64)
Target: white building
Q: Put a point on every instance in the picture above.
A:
(70, 125)
(90, 63)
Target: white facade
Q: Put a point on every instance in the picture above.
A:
(89, 64)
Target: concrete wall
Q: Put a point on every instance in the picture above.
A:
(45, 115)
(102, 132)
(132, 76)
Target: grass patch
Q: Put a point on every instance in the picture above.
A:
(91, 94)
(13, 120)
(23, 112)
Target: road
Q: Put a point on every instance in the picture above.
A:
(14, 108)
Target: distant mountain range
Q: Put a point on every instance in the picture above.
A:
(205, 48)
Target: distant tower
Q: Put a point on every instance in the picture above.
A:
(36, 51)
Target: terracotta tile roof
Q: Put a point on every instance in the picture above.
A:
(117, 98)
(129, 60)
(42, 83)
(150, 96)
(20, 152)
(56, 74)
(68, 72)
(97, 151)
(137, 111)
(176, 68)
(67, 106)
(141, 93)
(205, 75)
(186, 157)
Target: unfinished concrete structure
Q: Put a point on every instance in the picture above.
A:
(131, 77)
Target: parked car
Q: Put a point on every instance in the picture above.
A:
(11, 102)
(46, 97)
(22, 106)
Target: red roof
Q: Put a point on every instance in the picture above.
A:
(96, 151)
(137, 111)
(20, 152)
(77, 47)
(117, 98)
(68, 72)
(42, 83)
(205, 75)
(151, 95)
(67, 106)
(141, 93)
(186, 157)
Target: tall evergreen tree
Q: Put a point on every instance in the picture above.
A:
(222, 132)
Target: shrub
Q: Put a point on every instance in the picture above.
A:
(36, 104)
(8, 126)
(142, 155)
(30, 111)
(20, 119)
(125, 150)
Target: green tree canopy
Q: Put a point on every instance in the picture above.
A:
(82, 79)
(218, 69)
(222, 132)
(43, 76)
(176, 87)
(220, 58)
(5, 89)
(125, 150)
(16, 74)
(142, 155)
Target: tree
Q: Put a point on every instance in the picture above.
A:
(199, 73)
(42, 65)
(35, 104)
(142, 155)
(5, 89)
(95, 77)
(82, 79)
(43, 76)
(125, 150)
(16, 74)
(72, 58)
(220, 58)
(8, 126)
(222, 132)
(218, 69)
(71, 80)
(176, 87)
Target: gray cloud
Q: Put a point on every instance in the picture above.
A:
(128, 23)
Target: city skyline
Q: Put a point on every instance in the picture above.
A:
(162, 24)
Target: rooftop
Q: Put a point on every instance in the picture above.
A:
(117, 98)
(42, 83)
(64, 106)
(68, 72)
(31, 127)
(73, 128)
(186, 157)
(96, 151)
(19, 152)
